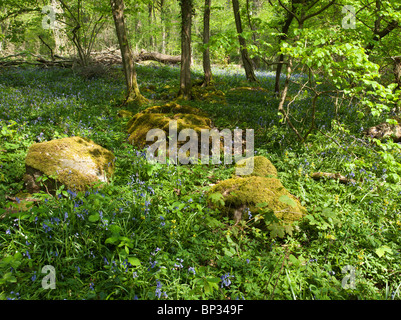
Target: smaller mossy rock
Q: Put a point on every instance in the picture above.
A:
(75, 162)
(159, 117)
(246, 193)
(262, 167)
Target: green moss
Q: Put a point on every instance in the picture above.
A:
(125, 114)
(75, 162)
(262, 167)
(174, 108)
(241, 193)
(159, 117)
(208, 94)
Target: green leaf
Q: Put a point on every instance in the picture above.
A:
(382, 250)
(112, 240)
(94, 217)
(134, 261)
(287, 200)
(217, 198)
(8, 277)
(229, 252)
(276, 230)
(213, 280)
(261, 205)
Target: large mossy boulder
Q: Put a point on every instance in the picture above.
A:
(75, 162)
(242, 195)
(159, 117)
(260, 167)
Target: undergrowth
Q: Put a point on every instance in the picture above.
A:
(150, 234)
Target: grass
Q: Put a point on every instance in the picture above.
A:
(149, 234)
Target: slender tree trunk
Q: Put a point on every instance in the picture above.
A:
(250, 10)
(185, 75)
(162, 22)
(279, 68)
(150, 7)
(133, 93)
(206, 36)
(250, 74)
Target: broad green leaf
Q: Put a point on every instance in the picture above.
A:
(134, 261)
(213, 280)
(94, 217)
(382, 250)
(261, 205)
(287, 200)
(112, 240)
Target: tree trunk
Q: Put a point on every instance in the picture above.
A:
(163, 24)
(133, 93)
(397, 71)
(285, 29)
(206, 36)
(250, 75)
(250, 11)
(185, 75)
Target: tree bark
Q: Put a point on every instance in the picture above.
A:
(249, 72)
(279, 68)
(162, 22)
(133, 93)
(185, 74)
(206, 37)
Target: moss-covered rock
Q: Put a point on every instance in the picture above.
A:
(243, 194)
(74, 162)
(159, 117)
(262, 167)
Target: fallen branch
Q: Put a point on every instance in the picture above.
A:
(250, 89)
(159, 57)
(335, 176)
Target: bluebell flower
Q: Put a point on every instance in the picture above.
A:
(225, 281)
(179, 265)
(158, 289)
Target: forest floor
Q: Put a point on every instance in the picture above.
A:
(149, 234)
